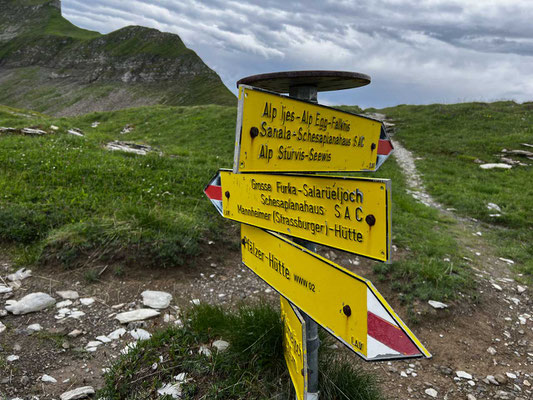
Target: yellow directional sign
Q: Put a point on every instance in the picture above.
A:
(278, 133)
(346, 305)
(350, 214)
(294, 347)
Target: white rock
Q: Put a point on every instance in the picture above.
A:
(510, 375)
(494, 207)
(156, 299)
(2, 327)
(75, 132)
(48, 379)
(515, 300)
(495, 165)
(68, 294)
(470, 397)
(87, 301)
(103, 339)
(140, 334)
(510, 262)
(54, 128)
(181, 377)
(204, 350)
(94, 343)
(78, 393)
(173, 390)
(31, 303)
(12, 358)
(168, 318)
(491, 350)
(437, 304)
(3, 313)
(497, 287)
(220, 345)
(520, 289)
(117, 306)
(463, 375)
(34, 328)
(76, 314)
(117, 334)
(431, 392)
(403, 374)
(471, 382)
(492, 379)
(64, 303)
(95, 124)
(21, 274)
(75, 333)
(5, 289)
(196, 302)
(136, 315)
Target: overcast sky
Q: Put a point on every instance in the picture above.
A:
(416, 51)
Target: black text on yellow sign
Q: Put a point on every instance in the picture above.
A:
(351, 214)
(277, 133)
(294, 347)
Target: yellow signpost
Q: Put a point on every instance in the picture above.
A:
(278, 133)
(346, 305)
(294, 347)
(350, 214)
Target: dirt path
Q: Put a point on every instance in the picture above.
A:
(491, 339)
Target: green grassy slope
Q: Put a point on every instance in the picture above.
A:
(66, 197)
(452, 140)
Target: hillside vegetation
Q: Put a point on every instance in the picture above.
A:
(50, 65)
(452, 142)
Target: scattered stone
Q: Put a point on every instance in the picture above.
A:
(522, 153)
(204, 350)
(21, 274)
(78, 393)
(431, 392)
(54, 128)
(48, 379)
(32, 131)
(75, 333)
(12, 358)
(502, 380)
(3, 313)
(140, 334)
(68, 294)
(34, 328)
(220, 345)
(446, 370)
(495, 165)
(136, 315)
(64, 303)
(196, 302)
(173, 390)
(2, 327)
(31, 303)
(94, 343)
(497, 287)
(129, 147)
(95, 124)
(463, 375)
(117, 306)
(76, 314)
(87, 301)
(494, 207)
(156, 299)
(510, 375)
(103, 339)
(514, 300)
(403, 374)
(117, 334)
(437, 304)
(5, 289)
(520, 289)
(491, 350)
(75, 132)
(127, 129)
(470, 397)
(510, 262)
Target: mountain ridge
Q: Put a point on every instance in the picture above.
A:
(50, 65)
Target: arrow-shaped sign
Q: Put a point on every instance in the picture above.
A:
(346, 305)
(277, 133)
(351, 214)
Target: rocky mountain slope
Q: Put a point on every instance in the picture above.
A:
(50, 65)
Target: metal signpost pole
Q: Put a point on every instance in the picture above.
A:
(309, 93)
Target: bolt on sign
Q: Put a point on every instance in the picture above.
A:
(350, 214)
(345, 304)
(279, 133)
(294, 346)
